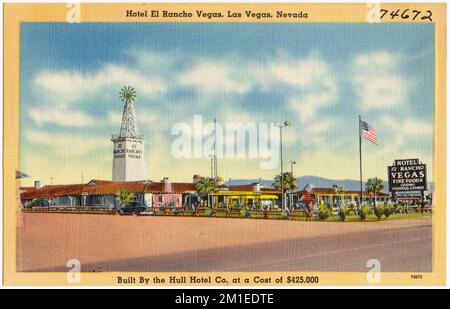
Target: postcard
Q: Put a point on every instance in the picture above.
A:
(224, 144)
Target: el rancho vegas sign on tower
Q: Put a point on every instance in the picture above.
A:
(128, 160)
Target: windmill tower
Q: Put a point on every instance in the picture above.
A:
(128, 157)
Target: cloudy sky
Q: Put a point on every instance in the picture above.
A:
(318, 76)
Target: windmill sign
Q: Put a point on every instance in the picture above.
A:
(407, 178)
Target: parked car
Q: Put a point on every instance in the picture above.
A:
(135, 208)
(40, 202)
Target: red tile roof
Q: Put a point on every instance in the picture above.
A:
(102, 187)
(105, 187)
(51, 191)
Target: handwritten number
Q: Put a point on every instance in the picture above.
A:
(405, 14)
(394, 14)
(417, 14)
(428, 16)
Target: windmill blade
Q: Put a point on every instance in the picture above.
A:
(127, 93)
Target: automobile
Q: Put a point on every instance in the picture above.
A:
(39, 202)
(135, 208)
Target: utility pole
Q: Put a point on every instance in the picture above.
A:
(212, 165)
(281, 126)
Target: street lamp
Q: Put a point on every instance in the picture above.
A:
(281, 126)
(212, 165)
(292, 168)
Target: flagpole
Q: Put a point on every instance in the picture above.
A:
(360, 166)
(215, 152)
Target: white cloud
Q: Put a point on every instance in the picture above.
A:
(68, 144)
(377, 81)
(320, 126)
(148, 122)
(379, 59)
(313, 87)
(300, 73)
(239, 116)
(307, 107)
(418, 127)
(114, 117)
(71, 84)
(57, 170)
(154, 59)
(216, 77)
(413, 127)
(60, 117)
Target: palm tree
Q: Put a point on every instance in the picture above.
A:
(205, 187)
(289, 182)
(125, 197)
(340, 190)
(374, 185)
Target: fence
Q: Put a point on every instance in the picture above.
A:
(73, 209)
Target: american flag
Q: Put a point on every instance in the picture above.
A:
(369, 132)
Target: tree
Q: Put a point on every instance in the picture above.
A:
(125, 197)
(289, 182)
(205, 187)
(374, 185)
(340, 190)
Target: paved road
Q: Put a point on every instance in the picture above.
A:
(181, 245)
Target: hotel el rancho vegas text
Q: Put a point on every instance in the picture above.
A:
(204, 14)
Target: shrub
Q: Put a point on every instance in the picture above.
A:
(211, 212)
(365, 211)
(285, 214)
(342, 214)
(245, 213)
(346, 210)
(396, 208)
(324, 212)
(389, 210)
(379, 211)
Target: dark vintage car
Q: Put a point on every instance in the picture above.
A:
(135, 208)
(38, 202)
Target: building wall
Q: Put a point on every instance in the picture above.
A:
(148, 199)
(67, 201)
(85, 200)
(167, 200)
(99, 200)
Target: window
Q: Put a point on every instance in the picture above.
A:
(97, 200)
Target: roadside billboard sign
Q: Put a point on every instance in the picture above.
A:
(407, 177)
